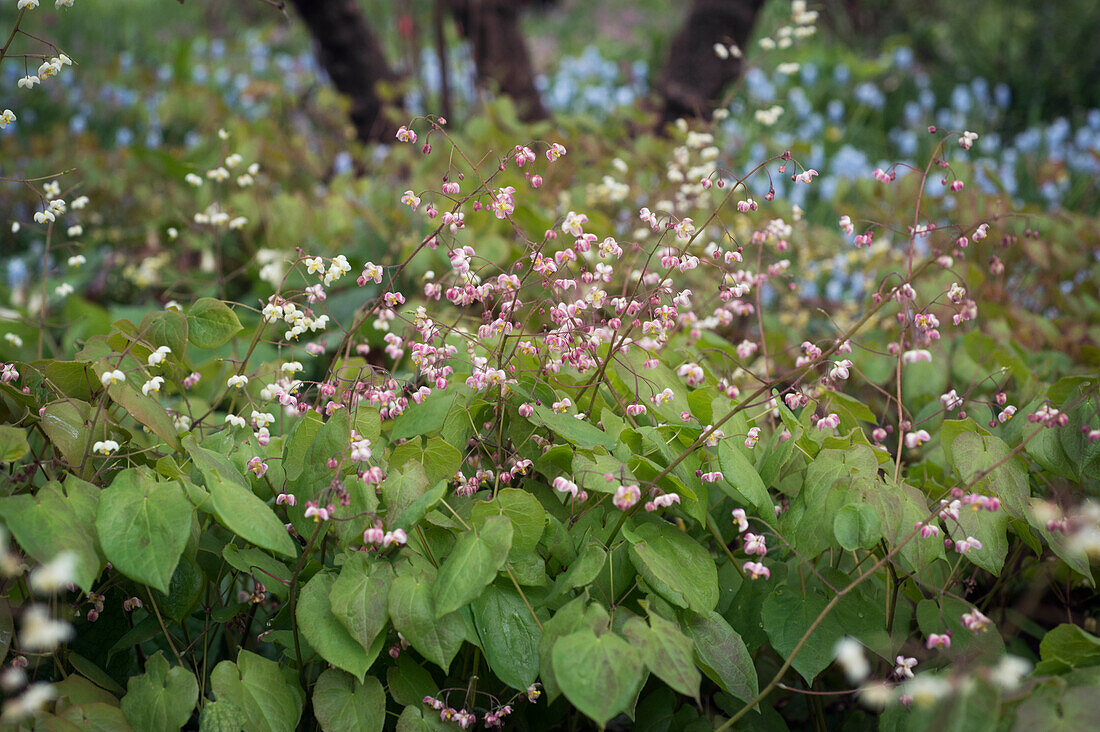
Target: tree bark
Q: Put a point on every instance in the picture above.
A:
(500, 52)
(352, 56)
(694, 76)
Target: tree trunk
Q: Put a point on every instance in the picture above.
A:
(353, 59)
(694, 76)
(500, 52)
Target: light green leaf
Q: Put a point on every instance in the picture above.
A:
(473, 563)
(166, 328)
(414, 615)
(236, 506)
(360, 595)
(326, 633)
(13, 443)
(268, 695)
(676, 566)
(857, 526)
(342, 703)
(599, 675)
(53, 521)
(210, 323)
(738, 473)
(524, 511)
(143, 526)
(161, 699)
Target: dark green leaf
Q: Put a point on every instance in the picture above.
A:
(599, 675)
(326, 633)
(360, 595)
(161, 698)
(509, 636)
(269, 696)
(676, 566)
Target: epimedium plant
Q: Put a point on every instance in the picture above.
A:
(553, 466)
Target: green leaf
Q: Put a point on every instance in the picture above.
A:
(412, 719)
(327, 633)
(221, 716)
(360, 595)
(473, 563)
(786, 616)
(722, 654)
(524, 511)
(667, 652)
(599, 675)
(1067, 647)
(184, 590)
(210, 323)
(1004, 474)
(676, 566)
(740, 475)
(401, 489)
(145, 409)
(261, 566)
(13, 443)
(269, 696)
(414, 615)
(141, 526)
(66, 423)
(857, 526)
(581, 433)
(424, 418)
(509, 636)
(342, 703)
(236, 506)
(161, 698)
(53, 521)
(166, 328)
(93, 716)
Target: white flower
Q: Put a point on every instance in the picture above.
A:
(262, 419)
(77, 260)
(80, 202)
(233, 160)
(181, 422)
(291, 367)
(235, 420)
(237, 381)
(112, 377)
(13, 339)
(238, 223)
(105, 447)
(158, 355)
(6, 118)
(74, 231)
(41, 217)
(40, 632)
(55, 574)
(32, 700)
(32, 4)
(849, 654)
(64, 289)
(152, 385)
(28, 82)
(193, 180)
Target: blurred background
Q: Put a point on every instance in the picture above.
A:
(856, 89)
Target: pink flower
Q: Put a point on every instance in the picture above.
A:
(967, 545)
(404, 134)
(755, 544)
(257, 466)
(397, 536)
(753, 438)
(741, 520)
(317, 512)
(903, 668)
(556, 151)
(288, 498)
(975, 621)
(928, 531)
(374, 535)
(938, 639)
(626, 496)
(757, 570)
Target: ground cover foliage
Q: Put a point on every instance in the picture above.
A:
(541, 426)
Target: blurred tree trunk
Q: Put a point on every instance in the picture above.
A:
(694, 76)
(500, 51)
(353, 58)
